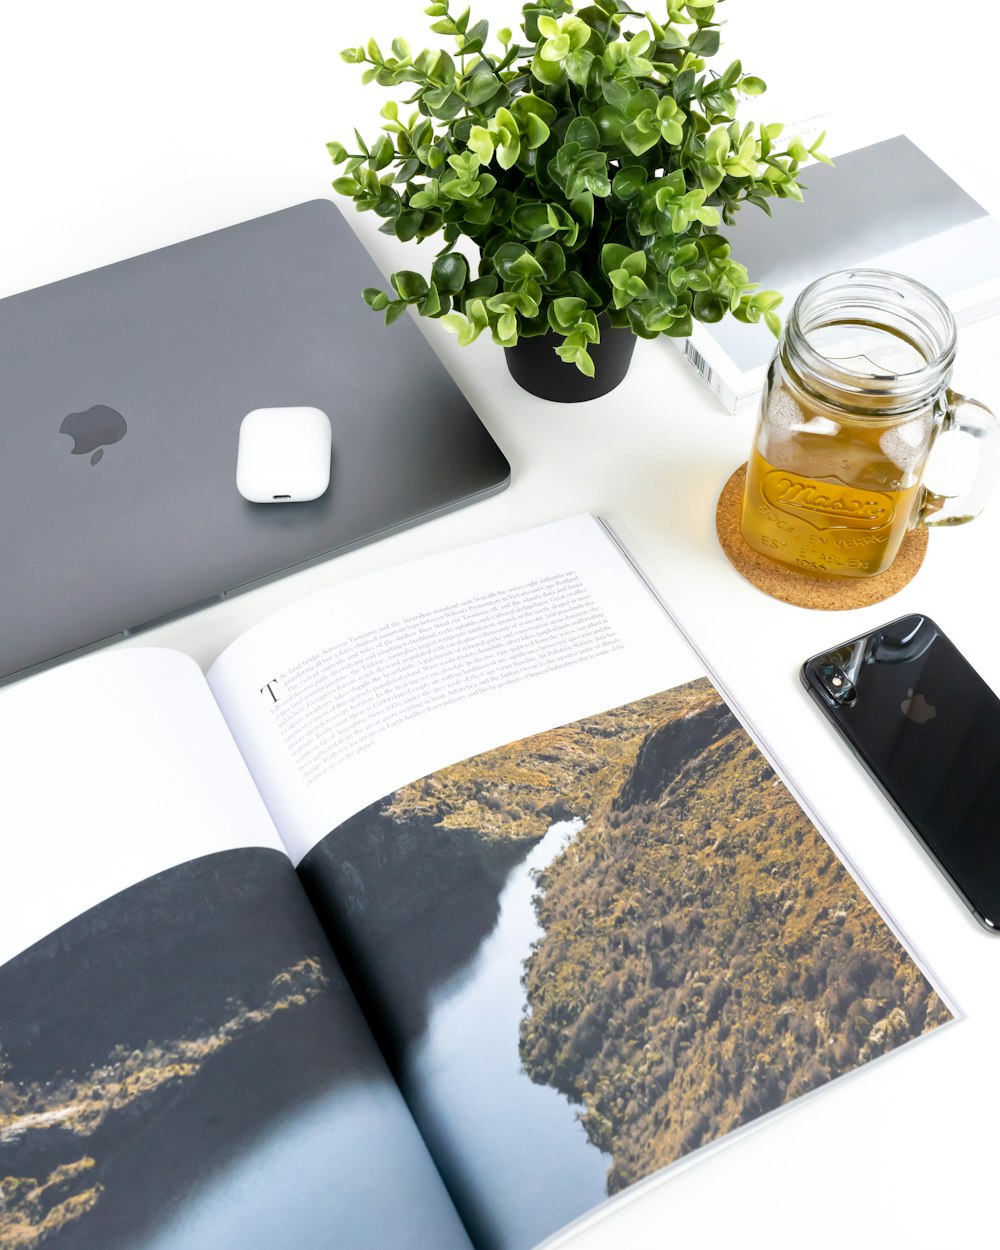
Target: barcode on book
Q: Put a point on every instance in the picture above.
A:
(699, 361)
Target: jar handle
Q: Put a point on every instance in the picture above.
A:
(967, 416)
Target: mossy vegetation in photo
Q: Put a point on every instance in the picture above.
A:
(706, 957)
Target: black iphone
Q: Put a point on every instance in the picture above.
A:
(927, 728)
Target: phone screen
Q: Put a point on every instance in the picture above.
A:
(927, 727)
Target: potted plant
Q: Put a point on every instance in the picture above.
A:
(586, 165)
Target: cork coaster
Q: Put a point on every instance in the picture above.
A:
(828, 594)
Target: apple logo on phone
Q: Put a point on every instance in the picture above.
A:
(93, 430)
(917, 709)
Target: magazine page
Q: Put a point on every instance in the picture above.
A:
(594, 928)
(181, 1060)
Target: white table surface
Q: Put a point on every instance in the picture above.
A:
(127, 127)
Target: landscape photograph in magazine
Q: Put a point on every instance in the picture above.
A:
(593, 951)
(183, 1065)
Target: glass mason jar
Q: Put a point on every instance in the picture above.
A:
(855, 397)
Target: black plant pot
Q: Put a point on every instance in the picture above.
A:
(534, 365)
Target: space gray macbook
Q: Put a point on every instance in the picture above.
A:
(122, 391)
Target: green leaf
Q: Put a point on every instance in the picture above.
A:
(480, 142)
(581, 288)
(337, 152)
(668, 189)
(616, 93)
(577, 66)
(686, 253)
(478, 214)
(552, 259)
(450, 272)
(382, 152)
(640, 135)
(508, 152)
(613, 256)
(711, 179)
(671, 118)
(475, 37)
(629, 181)
(582, 206)
(525, 266)
(566, 312)
(480, 88)
(610, 123)
(394, 311)
(506, 329)
(684, 85)
(551, 73)
(589, 172)
(374, 298)
(707, 215)
(345, 186)
(753, 86)
(717, 146)
(482, 288)
(577, 354)
(460, 325)
(529, 104)
(505, 258)
(582, 130)
(705, 43)
(389, 203)
(708, 307)
(408, 285)
(536, 131)
(635, 264)
(532, 222)
(407, 224)
(430, 305)
(506, 133)
(406, 170)
(815, 152)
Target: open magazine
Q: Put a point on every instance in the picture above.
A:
(453, 905)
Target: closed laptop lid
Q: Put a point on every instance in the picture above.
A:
(122, 391)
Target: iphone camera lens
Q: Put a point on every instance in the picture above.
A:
(837, 684)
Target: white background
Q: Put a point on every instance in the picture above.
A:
(128, 126)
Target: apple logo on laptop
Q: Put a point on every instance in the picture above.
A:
(93, 430)
(917, 709)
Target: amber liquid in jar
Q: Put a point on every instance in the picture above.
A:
(832, 493)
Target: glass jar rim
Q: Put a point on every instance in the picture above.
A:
(898, 298)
